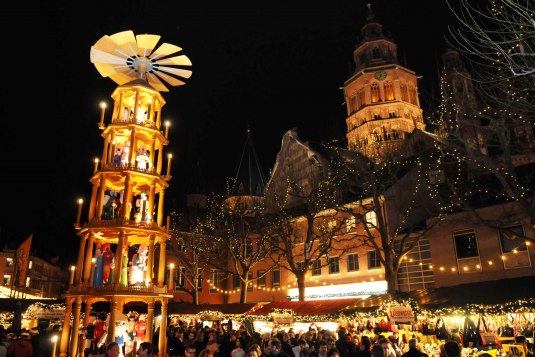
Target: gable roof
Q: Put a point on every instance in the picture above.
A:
(312, 307)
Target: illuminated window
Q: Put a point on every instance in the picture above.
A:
(389, 91)
(9, 262)
(334, 265)
(466, 244)
(353, 262)
(371, 218)
(7, 280)
(374, 261)
(275, 277)
(350, 223)
(332, 224)
(27, 282)
(316, 267)
(375, 93)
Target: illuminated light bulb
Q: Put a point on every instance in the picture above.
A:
(453, 269)
(441, 268)
(515, 251)
(465, 268)
(490, 262)
(503, 257)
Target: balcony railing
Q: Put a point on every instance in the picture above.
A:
(112, 167)
(120, 221)
(146, 123)
(117, 289)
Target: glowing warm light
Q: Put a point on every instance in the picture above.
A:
(430, 266)
(528, 243)
(503, 257)
(93, 260)
(172, 266)
(441, 268)
(55, 338)
(103, 105)
(478, 266)
(490, 262)
(80, 201)
(453, 269)
(465, 268)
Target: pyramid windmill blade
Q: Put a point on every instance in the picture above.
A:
(124, 57)
(171, 80)
(184, 73)
(178, 61)
(156, 83)
(146, 44)
(98, 56)
(164, 50)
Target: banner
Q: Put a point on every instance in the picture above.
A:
(22, 256)
(400, 313)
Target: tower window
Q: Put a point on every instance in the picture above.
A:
(376, 53)
(389, 91)
(375, 93)
(404, 93)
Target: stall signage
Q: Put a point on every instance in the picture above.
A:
(49, 314)
(282, 318)
(401, 313)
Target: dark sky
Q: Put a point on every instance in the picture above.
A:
(270, 65)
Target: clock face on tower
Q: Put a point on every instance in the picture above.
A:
(381, 75)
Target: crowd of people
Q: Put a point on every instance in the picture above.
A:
(316, 342)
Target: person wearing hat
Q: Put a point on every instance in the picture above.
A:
(21, 347)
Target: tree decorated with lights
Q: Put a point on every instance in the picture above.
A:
(191, 243)
(497, 39)
(303, 229)
(389, 200)
(236, 233)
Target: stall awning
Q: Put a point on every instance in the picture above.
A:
(312, 307)
(184, 308)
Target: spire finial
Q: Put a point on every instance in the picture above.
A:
(370, 16)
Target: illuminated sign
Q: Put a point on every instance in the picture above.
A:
(400, 313)
(341, 291)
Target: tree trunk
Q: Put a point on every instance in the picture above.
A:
(391, 275)
(301, 286)
(243, 291)
(195, 296)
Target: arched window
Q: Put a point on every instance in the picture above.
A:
(376, 53)
(361, 99)
(404, 93)
(375, 93)
(389, 91)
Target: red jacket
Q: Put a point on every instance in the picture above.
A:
(20, 348)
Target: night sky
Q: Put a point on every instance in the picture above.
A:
(270, 65)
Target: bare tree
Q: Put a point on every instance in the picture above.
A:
(389, 201)
(497, 40)
(190, 244)
(305, 232)
(236, 234)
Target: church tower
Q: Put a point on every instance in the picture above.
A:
(460, 110)
(121, 258)
(382, 96)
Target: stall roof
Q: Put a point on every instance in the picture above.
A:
(311, 307)
(185, 308)
(8, 305)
